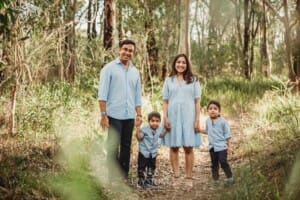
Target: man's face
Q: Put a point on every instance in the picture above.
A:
(126, 52)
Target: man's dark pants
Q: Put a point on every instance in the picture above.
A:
(217, 158)
(119, 144)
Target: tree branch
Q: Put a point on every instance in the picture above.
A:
(274, 11)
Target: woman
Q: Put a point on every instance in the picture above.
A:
(181, 108)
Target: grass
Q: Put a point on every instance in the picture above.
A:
(271, 149)
(59, 131)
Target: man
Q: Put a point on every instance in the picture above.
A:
(119, 96)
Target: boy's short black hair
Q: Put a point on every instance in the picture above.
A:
(126, 41)
(154, 114)
(215, 103)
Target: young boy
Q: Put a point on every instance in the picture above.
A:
(219, 135)
(148, 138)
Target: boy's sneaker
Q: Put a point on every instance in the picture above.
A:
(216, 185)
(140, 185)
(229, 181)
(150, 183)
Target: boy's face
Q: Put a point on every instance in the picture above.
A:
(213, 111)
(154, 122)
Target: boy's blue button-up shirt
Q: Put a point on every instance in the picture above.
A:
(150, 141)
(121, 89)
(218, 132)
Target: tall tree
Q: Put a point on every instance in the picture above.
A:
(152, 48)
(247, 69)
(265, 59)
(109, 23)
(70, 55)
(297, 46)
(184, 36)
(287, 37)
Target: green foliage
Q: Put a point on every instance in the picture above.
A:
(76, 181)
(40, 103)
(271, 149)
(236, 94)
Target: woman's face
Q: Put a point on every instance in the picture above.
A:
(180, 65)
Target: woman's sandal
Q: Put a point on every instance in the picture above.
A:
(188, 184)
(176, 182)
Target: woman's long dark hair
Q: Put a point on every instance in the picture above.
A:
(188, 75)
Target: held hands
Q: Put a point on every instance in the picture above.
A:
(167, 124)
(197, 126)
(138, 121)
(229, 150)
(138, 134)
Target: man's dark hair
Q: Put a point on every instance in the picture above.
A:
(215, 103)
(127, 41)
(154, 114)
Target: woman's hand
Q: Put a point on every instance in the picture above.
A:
(197, 126)
(167, 124)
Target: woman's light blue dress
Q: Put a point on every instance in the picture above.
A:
(181, 112)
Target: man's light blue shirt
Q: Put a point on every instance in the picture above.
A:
(218, 132)
(121, 89)
(150, 141)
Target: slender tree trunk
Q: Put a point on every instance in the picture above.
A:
(297, 46)
(254, 30)
(95, 11)
(152, 49)
(287, 38)
(120, 22)
(69, 61)
(89, 19)
(184, 40)
(265, 62)
(109, 23)
(247, 70)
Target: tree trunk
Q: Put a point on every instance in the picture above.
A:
(265, 62)
(69, 60)
(297, 46)
(152, 49)
(247, 70)
(254, 30)
(184, 40)
(95, 9)
(89, 19)
(120, 22)
(109, 23)
(287, 38)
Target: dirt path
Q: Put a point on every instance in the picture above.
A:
(202, 172)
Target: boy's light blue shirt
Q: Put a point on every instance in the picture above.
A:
(218, 132)
(121, 89)
(149, 143)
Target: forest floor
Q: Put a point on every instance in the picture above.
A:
(202, 180)
(19, 159)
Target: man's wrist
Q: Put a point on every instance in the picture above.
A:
(139, 115)
(103, 114)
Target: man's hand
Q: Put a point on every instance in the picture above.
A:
(104, 122)
(229, 150)
(138, 121)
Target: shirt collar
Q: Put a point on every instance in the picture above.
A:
(118, 61)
